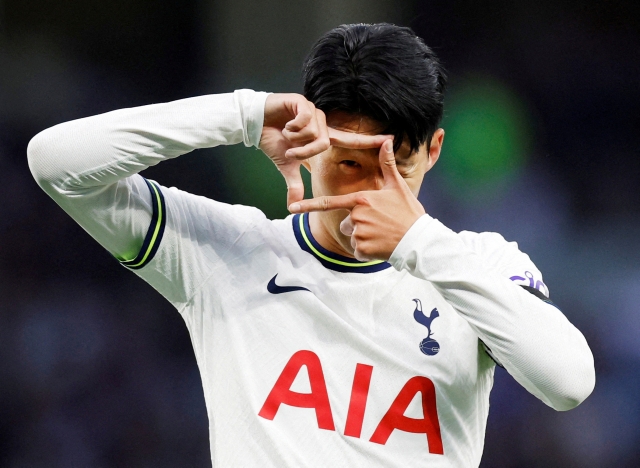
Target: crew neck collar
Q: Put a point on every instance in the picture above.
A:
(329, 259)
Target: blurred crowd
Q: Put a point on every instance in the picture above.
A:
(97, 370)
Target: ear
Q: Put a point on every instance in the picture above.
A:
(435, 147)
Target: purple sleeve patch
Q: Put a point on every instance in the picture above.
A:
(531, 281)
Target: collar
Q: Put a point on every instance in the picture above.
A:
(329, 259)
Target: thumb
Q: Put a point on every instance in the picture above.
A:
(388, 165)
(295, 185)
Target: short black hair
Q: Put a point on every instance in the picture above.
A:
(381, 71)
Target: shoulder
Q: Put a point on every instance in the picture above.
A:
(216, 229)
(205, 212)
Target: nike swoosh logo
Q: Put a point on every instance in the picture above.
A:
(273, 288)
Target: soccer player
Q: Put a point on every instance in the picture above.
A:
(359, 331)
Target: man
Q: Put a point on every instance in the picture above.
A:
(359, 331)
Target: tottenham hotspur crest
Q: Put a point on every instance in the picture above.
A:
(428, 346)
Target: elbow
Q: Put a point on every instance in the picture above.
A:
(577, 385)
(41, 164)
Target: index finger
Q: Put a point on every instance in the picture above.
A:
(337, 202)
(353, 140)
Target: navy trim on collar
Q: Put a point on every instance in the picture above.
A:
(329, 259)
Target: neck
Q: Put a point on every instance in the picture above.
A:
(325, 227)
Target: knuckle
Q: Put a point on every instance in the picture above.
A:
(325, 143)
(325, 203)
(362, 253)
(362, 199)
(363, 248)
(356, 217)
(294, 185)
(303, 115)
(292, 153)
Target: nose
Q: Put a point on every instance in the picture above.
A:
(374, 179)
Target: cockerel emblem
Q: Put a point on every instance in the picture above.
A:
(428, 346)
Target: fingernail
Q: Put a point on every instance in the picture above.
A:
(294, 207)
(388, 146)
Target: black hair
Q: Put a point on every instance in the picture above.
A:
(381, 71)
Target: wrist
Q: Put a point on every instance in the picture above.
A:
(413, 237)
(252, 104)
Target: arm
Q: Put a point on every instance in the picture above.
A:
(90, 166)
(532, 339)
(84, 165)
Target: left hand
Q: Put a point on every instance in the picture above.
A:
(379, 219)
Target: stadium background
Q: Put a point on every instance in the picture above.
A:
(542, 120)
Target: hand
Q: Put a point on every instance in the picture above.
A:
(379, 219)
(295, 130)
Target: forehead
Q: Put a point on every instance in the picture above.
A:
(362, 124)
(353, 123)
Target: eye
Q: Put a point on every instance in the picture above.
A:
(349, 163)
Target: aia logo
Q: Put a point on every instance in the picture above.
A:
(428, 346)
(318, 400)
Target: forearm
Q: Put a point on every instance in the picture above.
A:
(103, 149)
(534, 341)
(85, 164)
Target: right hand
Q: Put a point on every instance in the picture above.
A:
(294, 130)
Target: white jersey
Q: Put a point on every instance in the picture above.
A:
(308, 358)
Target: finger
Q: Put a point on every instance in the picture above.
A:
(354, 243)
(357, 252)
(304, 136)
(356, 140)
(304, 113)
(316, 128)
(311, 149)
(295, 185)
(388, 165)
(347, 227)
(361, 257)
(326, 203)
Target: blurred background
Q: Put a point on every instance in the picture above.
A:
(542, 118)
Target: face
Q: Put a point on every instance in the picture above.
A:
(339, 171)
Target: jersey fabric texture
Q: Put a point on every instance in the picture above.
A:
(309, 358)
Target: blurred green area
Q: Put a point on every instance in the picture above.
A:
(252, 179)
(488, 136)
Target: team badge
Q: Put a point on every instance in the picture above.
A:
(533, 283)
(428, 346)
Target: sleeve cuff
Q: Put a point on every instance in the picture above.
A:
(252, 108)
(404, 256)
